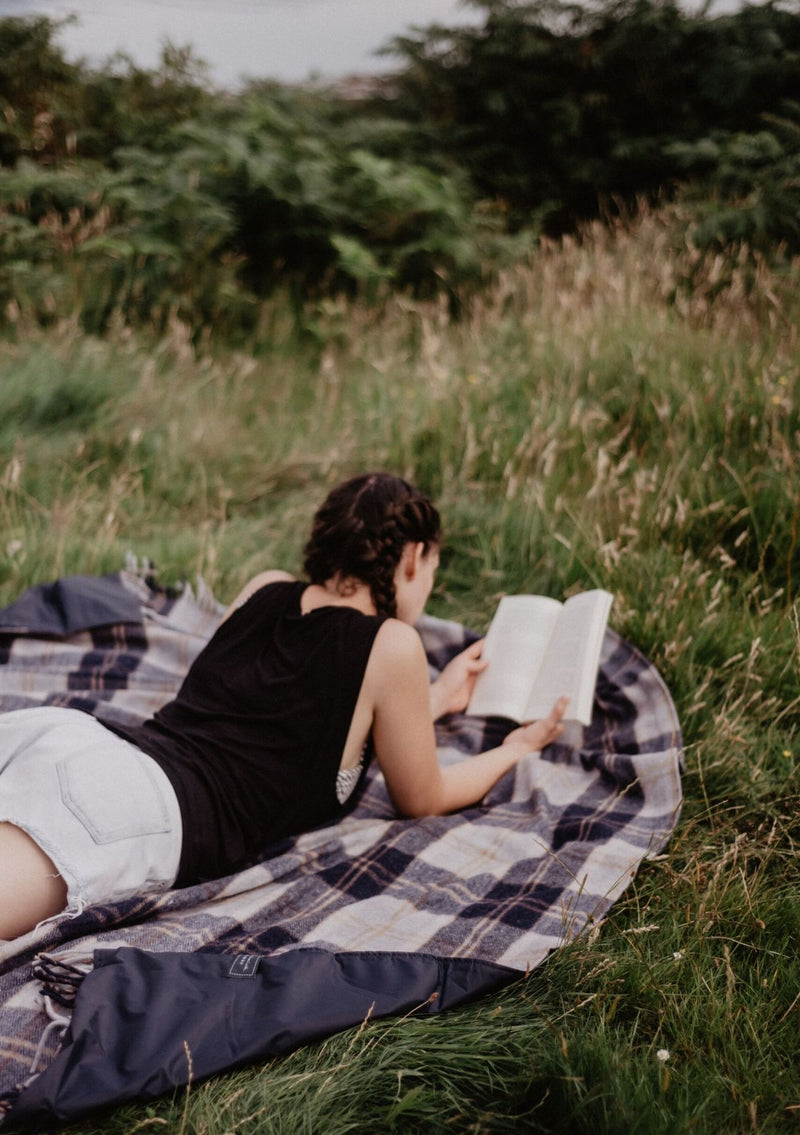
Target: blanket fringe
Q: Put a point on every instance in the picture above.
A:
(58, 1023)
(60, 984)
(60, 980)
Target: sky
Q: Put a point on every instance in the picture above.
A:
(289, 40)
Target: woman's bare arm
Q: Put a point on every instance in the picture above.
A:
(404, 738)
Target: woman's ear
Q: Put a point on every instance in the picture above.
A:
(412, 556)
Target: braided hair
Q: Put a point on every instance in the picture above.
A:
(360, 532)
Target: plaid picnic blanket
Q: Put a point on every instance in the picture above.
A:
(501, 884)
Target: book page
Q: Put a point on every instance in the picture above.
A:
(514, 647)
(573, 657)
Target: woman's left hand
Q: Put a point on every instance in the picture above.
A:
(451, 691)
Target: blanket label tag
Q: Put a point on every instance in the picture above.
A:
(245, 965)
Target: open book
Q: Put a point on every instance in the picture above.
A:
(539, 649)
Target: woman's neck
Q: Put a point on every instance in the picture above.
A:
(336, 592)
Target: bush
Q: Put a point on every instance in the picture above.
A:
(558, 110)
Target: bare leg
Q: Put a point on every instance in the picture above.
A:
(31, 888)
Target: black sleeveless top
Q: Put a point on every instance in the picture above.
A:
(254, 739)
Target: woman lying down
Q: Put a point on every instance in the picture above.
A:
(269, 734)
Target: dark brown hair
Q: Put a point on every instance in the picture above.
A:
(361, 529)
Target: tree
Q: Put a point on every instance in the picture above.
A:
(555, 109)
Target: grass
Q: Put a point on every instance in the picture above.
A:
(593, 422)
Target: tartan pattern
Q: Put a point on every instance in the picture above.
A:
(555, 842)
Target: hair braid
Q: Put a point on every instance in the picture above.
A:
(361, 530)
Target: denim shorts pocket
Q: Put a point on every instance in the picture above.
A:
(112, 799)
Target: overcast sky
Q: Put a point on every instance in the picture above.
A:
(281, 39)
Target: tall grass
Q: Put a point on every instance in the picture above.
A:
(593, 422)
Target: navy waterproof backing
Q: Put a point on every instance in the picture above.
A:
(142, 1019)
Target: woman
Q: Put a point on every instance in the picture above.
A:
(269, 733)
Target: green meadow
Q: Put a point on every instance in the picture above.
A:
(590, 420)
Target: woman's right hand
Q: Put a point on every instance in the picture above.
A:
(537, 734)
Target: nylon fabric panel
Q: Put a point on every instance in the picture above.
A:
(75, 603)
(139, 1015)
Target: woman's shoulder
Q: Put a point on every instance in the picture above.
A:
(274, 575)
(397, 647)
(263, 579)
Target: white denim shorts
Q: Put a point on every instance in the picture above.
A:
(104, 812)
